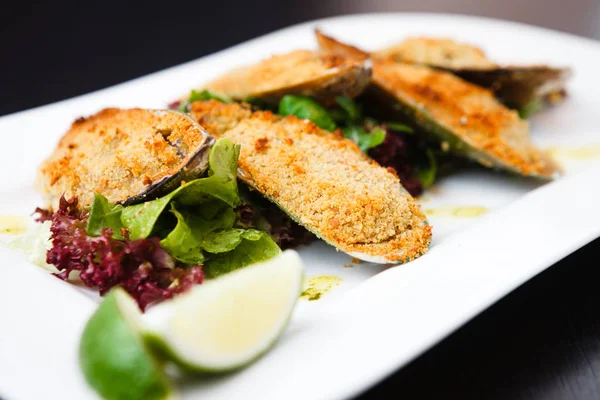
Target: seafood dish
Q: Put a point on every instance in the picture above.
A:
(186, 219)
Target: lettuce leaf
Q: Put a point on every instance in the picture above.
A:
(202, 96)
(216, 244)
(183, 243)
(223, 241)
(428, 171)
(365, 140)
(347, 116)
(104, 215)
(306, 108)
(351, 109)
(221, 184)
(202, 231)
(531, 108)
(399, 127)
(188, 240)
(255, 246)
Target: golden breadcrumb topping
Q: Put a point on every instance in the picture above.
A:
(302, 72)
(118, 153)
(437, 52)
(323, 180)
(468, 111)
(332, 46)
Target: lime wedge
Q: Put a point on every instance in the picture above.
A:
(230, 321)
(113, 356)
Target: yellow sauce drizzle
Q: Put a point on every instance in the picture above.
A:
(14, 224)
(317, 286)
(576, 153)
(459, 211)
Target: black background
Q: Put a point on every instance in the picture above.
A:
(540, 342)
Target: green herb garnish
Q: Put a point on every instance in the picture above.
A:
(348, 116)
(104, 215)
(428, 172)
(531, 108)
(203, 96)
(398, 127)
(351, 109)
(364, 140)
(306, 108)
(203, 209)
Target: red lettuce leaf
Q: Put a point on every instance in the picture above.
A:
(394, 153)
(144, 269)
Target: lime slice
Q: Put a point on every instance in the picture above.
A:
(113, 356)
(230, 321)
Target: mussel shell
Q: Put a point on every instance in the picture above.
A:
(301, 72)
(197, 164)
(129, 156)
(518, 86)
(514, 85)
(323, 182)
(419, 103)
(436, 52)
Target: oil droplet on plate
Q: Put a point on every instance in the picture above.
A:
(318, 286)
(14, 224)
(457, 211)
(576, 153)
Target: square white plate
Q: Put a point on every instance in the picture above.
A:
(378, 319)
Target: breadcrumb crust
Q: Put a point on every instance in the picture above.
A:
(437, 52)
(303, 72)
(118, 153)
(469, 112)
(323, 180)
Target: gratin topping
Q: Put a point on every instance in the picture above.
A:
(323, 180)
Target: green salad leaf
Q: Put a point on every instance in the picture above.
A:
(365, 140)
(428, 172)
(255, 246)
(221, 184)
(202, 96)
(261, 104)
(348, 115)
(208, 95)
(199, 227)
(398, 127)
(306, 108)
(183, 243)
(141, 218)
(222, 241)
(104, 215)
(195, 233)
(531, 108)
(352, 111)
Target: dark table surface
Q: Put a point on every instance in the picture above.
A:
(540, 342)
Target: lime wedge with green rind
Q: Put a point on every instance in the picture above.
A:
(226, 323)
(114, 357)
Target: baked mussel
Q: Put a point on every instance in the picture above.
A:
(127, 155)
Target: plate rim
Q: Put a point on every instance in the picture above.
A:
(412, 14)
(524, 201)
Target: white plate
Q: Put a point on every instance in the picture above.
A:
(375, 321)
